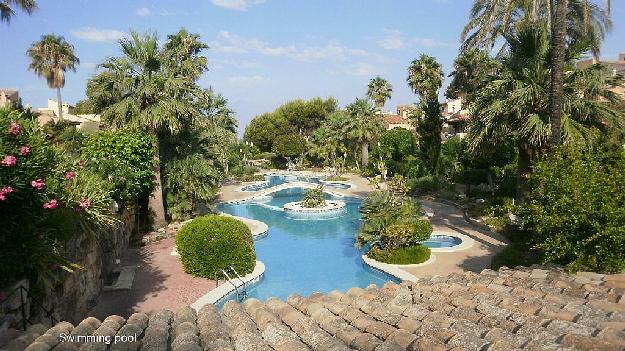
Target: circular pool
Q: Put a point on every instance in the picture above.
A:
(442, 241)
(331, 208)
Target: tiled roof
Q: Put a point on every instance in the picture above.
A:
(395, 119)
(520, 309)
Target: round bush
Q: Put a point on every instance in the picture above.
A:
(211, 243)
(403, 255)
(406, 234)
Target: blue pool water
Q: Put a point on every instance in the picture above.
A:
(305, 255)
(439, 241)
(273, 180)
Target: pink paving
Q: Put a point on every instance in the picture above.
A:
(160, 283)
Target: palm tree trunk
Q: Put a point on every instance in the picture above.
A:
(558, 47)
(155, 202)
(364, 154)
(523, 168)
(59, 102)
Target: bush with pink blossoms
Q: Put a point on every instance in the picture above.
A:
(37, 199)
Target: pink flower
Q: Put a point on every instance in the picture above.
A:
(6, 190)
(9, 161)
(70, 175)
(14, 129)
(84, 203)
(24, 150)
(38, 184)
(52, 204)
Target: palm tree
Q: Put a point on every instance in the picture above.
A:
(379, 90)
(425, 77)
(329, 141)
(365, 126)
(472, 70)
(7, 8)
(141, 90)
(514, 106)
(50, 58)
(558, 47)
(490, 20)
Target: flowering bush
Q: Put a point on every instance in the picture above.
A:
(40, 207)
(124, 159)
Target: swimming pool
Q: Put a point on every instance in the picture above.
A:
(306, 255)
(439, 241)
(273, 180)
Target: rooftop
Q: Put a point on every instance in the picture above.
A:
(521, 309)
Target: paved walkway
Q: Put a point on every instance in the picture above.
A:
(160, 283)
(476, 258)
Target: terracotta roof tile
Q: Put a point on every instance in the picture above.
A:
(521, 309)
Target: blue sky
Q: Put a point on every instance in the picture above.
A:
(263, 52)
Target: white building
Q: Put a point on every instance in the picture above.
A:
(85, 123)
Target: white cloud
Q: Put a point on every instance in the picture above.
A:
(393, 40)
(240, 5)
(246, 80)
(430, 43)
(97, 35)
(231, 43)
(143, 12)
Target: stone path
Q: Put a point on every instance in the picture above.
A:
(449, 219)
(159, 283)
(523, 309)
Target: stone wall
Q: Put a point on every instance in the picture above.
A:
(72, 295)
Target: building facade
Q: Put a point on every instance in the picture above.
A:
(83, 122)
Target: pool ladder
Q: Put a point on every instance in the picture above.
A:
(241, 293)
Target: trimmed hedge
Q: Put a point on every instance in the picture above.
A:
(211, 243)
(404, 255)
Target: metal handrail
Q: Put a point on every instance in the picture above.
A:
(236, 288)
(24, 294)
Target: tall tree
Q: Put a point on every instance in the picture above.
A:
(558, 47)
(514, 106)
(425, 77)
(379, 90)
(7, 8)
(148, 89)
(365, 126)
(50, 58)
(472, 70)
(492, 20)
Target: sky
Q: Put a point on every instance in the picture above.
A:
(262, 52)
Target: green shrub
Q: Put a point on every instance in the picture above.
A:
(423, 185)
(381, 210)
(123, 158)
(211, 243)
(251, 178)
(398, 184)
(406, 234)
(336, 179)
(44, 200)
(575, 210)
(404, 255)
(514, 255)
(314, 198)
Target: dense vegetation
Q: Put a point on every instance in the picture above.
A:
(209, 244)
(314, 198)
(45, 197)
(392, 228)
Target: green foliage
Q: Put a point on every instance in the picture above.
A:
(294, 117)
(125, 159)
(335, 179)
(575, 210)
(429, 124)
(264, 129)
(44, 200)
(512, 256)
(423, 185)
(314, 198)
(191, 178)
(84, 107)
(211, 243)
(64, 135)
(379, 90)
(331, 143)
(397, 148)
(381, 210)
(425, 77)
(398, 184)
(472, 70)
(403, 255)
(306, 116)
(406, 234)
(453, 152)
(289, 146)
